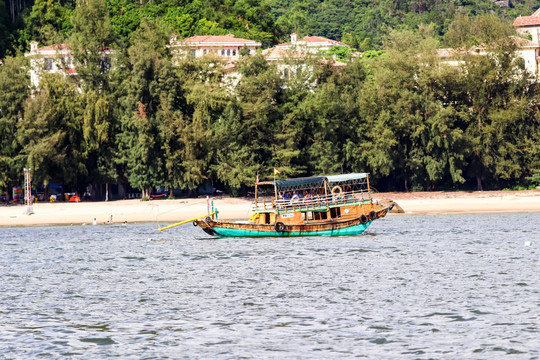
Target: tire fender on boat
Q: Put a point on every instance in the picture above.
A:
(372, 215)
(363, 219)
(208, 220)
(194, 223)
(280, 227)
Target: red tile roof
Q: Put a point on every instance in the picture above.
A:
(55, 47)
(218, 38)
(65, 47)
(533, 20)
(313, 39)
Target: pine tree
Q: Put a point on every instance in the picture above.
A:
(51, 135)
(140, 140)
(90, 43)
(15, 85)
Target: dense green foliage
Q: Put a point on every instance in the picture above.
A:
(360, 23)
(138, 117)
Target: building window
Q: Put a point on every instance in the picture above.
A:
(204, 52)
(222, 51)
(192, 52)
(48, 64)
(234, 52)
(105, 64)
(228, 52)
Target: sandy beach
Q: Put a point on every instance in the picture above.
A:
(164, 212)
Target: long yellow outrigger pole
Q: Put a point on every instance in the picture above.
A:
(186, 221)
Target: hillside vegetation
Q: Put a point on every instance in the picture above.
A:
(359, 23)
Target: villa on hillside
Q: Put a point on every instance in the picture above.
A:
(58, 58)
(309, 44)
(227, 46)
(528, 50)
(291, 57)
(55, 58)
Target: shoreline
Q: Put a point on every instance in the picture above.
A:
(171, 211)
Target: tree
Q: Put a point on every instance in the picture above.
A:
(99, 128)
(15, 85)
(140, 139)
(48, 22)
(246, 133)
(502, 118)
(50, 133)
(206, 100)
(4, 30)
(90, 41)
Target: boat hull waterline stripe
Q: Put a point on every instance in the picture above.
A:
(351, 230)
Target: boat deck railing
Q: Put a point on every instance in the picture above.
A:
(313, 202)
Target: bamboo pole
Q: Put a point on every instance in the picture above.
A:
(186, 221)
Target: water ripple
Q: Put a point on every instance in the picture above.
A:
(433, 286)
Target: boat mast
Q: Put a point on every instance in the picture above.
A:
(275, 186)
(368, 191)
(255, 193)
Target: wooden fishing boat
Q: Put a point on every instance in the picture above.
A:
(321, 205)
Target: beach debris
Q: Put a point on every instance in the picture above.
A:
(528, 243)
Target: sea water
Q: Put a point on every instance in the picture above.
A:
(411, 287)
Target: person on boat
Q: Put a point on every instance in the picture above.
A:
(307, 197)
(286, 196)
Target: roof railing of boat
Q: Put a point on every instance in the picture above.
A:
(313, 202)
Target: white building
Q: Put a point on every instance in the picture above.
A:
(529, 50)
(227, 46)
(52, 59)
(291, 57)
(55, 58)
(309, 44)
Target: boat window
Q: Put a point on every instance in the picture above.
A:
(335, 213)
(308, 215)
(267, 218)
(319, 215)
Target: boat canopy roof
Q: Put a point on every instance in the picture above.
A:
(318, 181)
(305, 181)
(346, 177)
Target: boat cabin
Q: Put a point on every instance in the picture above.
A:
(311, 199)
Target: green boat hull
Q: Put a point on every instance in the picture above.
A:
(229, 232)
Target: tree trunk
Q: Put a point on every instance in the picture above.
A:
(106, 191)
(479, 183)
(405, 181)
